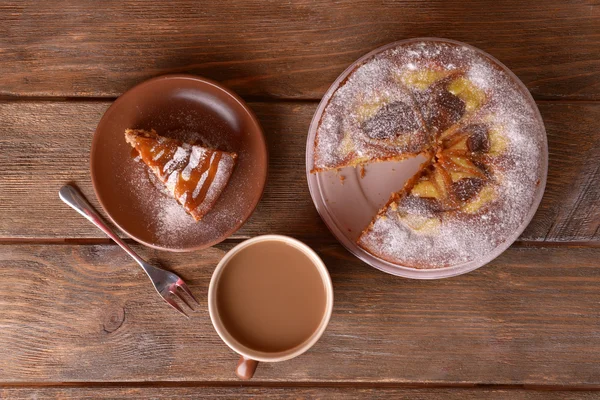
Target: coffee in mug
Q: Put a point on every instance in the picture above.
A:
(270, 299)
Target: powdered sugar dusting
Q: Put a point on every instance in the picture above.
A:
(402, 235)
(181, 154)
(370, 87)
(158, 155)
(201, 181)
(167, 219)
(198, 153)
(219, 182)
(172, 219)
(164, 216)
(172, 181)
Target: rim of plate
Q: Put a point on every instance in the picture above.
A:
(234, 228)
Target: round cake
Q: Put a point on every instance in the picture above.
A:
(479, 130)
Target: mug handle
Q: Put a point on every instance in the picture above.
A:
(245, 368)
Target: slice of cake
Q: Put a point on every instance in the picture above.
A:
(194, 175)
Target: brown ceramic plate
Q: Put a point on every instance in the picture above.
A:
(191, 109)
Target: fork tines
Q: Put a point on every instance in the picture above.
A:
(171, 293)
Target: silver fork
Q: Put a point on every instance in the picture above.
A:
(166, 283)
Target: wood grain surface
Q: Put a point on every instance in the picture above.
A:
(287, 393)
(73, 313)
(281, 49)
(80, 320)
(45, 144)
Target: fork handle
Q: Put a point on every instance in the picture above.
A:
(73, 198)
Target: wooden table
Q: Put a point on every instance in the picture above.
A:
(79, 319)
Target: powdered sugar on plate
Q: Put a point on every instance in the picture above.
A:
(167, 220)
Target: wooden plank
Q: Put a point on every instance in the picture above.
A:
(46, 144)
(87, 313)
(570, 208)
(281, 49)
(285, 393)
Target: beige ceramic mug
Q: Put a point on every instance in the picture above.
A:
(250, 356)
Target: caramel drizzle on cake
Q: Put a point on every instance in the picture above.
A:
(478, 132)
(193, 174)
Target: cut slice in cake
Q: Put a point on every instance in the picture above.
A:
(476, 126)
(194, 175)
(436, 217)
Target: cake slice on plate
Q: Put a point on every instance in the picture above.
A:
(195, 175)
